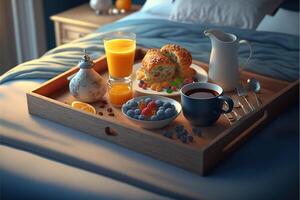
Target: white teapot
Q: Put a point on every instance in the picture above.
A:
(87, 85)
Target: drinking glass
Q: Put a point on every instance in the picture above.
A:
(120, 51)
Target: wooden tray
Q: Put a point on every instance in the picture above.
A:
(52, 101)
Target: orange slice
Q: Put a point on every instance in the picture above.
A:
(84, 106)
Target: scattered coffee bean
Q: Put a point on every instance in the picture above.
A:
(190, 138)
(101, 106)
(111, 114)
(104, 101)
(109, 110)
(100, 113)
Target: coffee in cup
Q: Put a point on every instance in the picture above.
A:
(202, 103)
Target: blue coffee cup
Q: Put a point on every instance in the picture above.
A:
(201, 109)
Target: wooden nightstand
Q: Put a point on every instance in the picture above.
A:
(80, 21)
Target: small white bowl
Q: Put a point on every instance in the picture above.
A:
(159, 123)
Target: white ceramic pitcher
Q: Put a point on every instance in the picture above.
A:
(223, 64)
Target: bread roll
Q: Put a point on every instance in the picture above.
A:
(178, 54)
(157, 67)
(188, 72)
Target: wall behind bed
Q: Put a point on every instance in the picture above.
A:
(52, 7)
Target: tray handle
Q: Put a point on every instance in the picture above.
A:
(237, 141)
(229, 140)
(232, 138)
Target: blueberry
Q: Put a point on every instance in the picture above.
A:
(154, 118)
(185, 132)
(158, 103)
(141, 117)
(169, 112)
(137, 111)
(161, 108)
(147, 100)
(130, 113)
(125, 108)
(166, 105)
(160, 114)
(136, 116)
(179, 134)
(133, 104)
(168, 134)
(179, 128)
(173, 107)
(184, 139)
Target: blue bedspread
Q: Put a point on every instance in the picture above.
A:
(275, 54)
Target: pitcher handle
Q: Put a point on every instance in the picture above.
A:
(250, 48)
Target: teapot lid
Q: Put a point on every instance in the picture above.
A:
(85, 62)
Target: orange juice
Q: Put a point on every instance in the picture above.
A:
(120, 56)
(119, 93)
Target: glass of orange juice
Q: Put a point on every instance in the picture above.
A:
(119, 92)
(120, 51)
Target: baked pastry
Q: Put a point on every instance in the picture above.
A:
(157, 67)
(188, 72)
(179, 55)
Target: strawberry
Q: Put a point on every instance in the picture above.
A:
(144, 86)
(146, 112)
(173, 88)
(152, 105)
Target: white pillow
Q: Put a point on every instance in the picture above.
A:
(150, 4)
(236, 13)
(284, 21)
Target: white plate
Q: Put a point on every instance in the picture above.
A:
(201, 75)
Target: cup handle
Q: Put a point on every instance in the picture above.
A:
(250, 48)
(228, 101)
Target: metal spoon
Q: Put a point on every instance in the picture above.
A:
(254, 85)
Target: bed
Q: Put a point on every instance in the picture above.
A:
(44, 160)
